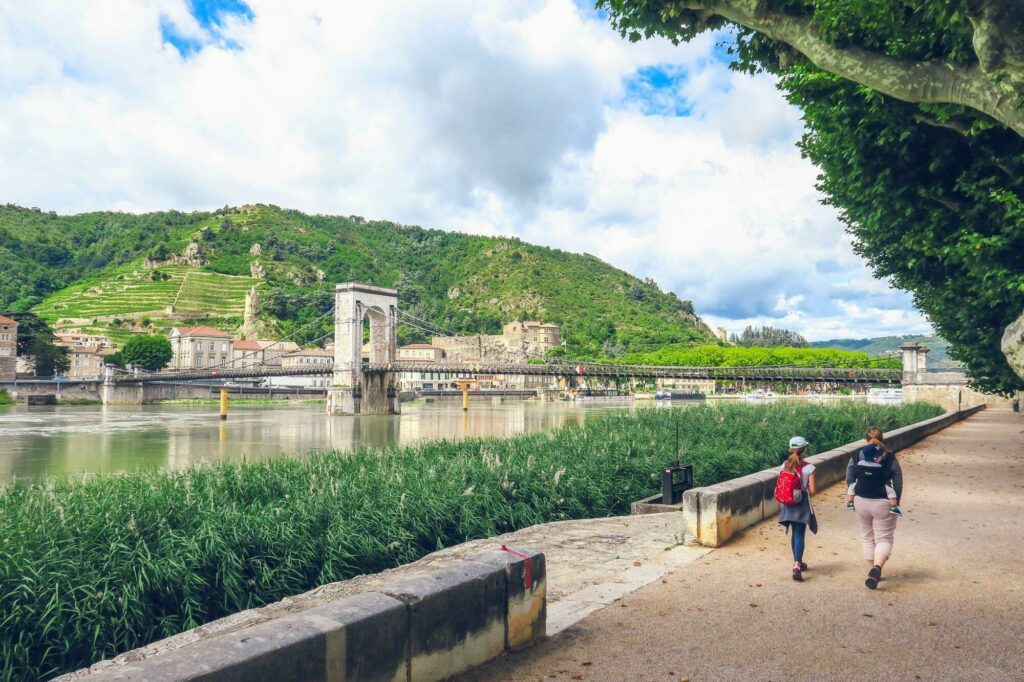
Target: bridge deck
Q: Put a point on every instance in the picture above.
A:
(829, 375)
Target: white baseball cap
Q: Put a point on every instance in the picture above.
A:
(798, 443)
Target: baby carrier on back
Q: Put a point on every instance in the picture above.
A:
(872, 476)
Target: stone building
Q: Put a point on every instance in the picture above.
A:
(81, 340)
(252, 327)
(517, 342)
(196, 347)
(8, 348)
(426, 380)
(305, 358)
(944, 387)
(533, 337)
(260, 352)
(86, 362)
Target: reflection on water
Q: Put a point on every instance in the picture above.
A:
(41, 441)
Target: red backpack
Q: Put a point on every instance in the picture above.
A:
(789, 487)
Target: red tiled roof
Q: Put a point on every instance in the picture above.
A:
(203, 331)
(7, 320)
(244, 344)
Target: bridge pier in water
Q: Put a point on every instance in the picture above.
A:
(353, 390)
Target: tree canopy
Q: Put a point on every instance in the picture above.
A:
(151, 351)
(913, 112)
(768, 337)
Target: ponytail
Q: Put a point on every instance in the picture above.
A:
(874, 436)
(793, 461)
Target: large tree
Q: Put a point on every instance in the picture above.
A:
(913, 112)
(151, 351)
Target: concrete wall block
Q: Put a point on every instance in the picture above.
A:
(456, 618)
(289, 649)
(362, 637)
(526, 613)
(376, 638)
(768, 478)
(692, 512)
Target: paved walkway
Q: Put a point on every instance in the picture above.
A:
(951, 607)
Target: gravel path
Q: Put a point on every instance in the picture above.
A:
(951, 606)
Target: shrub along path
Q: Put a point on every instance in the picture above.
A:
(949, 608)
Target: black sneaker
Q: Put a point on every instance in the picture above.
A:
(874, 575)
(797, 575)
(803, 566)
(895, 509)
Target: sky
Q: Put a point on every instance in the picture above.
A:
(527, 118)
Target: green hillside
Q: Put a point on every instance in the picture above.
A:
(891, 344)
(115, 272)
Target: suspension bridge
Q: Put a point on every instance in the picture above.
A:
(369, 385)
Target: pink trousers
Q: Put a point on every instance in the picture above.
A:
(877, 527)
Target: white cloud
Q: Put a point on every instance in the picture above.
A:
(510, 118)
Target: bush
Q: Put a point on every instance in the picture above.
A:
(94, 567)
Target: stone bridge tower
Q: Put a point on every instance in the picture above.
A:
(355, 391)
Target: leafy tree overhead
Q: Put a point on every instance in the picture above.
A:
(150, 351)
(913, 112)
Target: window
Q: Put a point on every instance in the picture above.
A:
(211, 345)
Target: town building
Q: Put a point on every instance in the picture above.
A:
(307, 357)
(195, 347)
(80, 340)
(533, 337)
(681, 385)
(518, 342)
(86, 362)
(426, 380)
(8, 348)
(260, 353)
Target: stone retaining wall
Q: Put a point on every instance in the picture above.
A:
(421, 628)
(713, 514)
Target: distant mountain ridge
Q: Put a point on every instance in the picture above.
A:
(117, 273)
(884, 344)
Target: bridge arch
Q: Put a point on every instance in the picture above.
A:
(355, 390)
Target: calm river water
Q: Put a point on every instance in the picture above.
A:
(44, 441)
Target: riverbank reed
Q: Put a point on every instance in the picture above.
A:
(93, 567)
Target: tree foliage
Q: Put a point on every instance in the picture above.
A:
(458, 282)
(740, 356)
(931, 187)
(768, 337)
(150, 351)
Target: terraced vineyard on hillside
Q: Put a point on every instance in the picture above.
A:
(141, 292)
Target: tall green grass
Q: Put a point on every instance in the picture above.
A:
(90, 568)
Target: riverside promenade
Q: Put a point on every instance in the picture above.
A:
(951, 606)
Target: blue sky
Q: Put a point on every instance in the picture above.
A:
(528, 118)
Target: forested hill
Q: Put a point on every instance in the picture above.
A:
(891, 344)
(117, 271)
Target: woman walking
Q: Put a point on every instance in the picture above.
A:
(874, 513)
(798, 515)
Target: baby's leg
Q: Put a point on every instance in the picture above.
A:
(890, 492)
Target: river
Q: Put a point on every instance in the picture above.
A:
(36, 442)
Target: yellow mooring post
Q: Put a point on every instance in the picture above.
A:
(465, 395)
(223, 403)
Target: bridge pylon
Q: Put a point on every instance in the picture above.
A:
(353, 390)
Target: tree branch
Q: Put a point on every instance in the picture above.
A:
(932, 81)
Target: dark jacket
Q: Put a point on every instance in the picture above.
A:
(895, 472)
